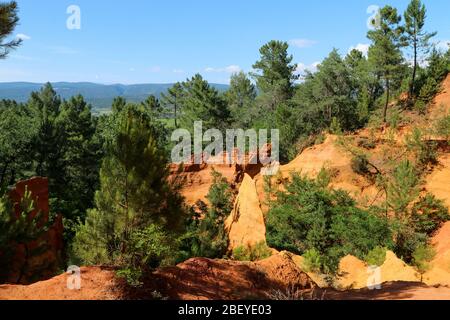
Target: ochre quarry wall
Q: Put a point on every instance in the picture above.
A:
(245, 225)
(39, 259)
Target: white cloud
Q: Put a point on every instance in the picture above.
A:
(303, 68)
(23, 37)
(230, 69)
(302, 43)
(177, 71)
(361, 47)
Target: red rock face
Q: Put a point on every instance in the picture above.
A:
(39, 192)
(41, 258)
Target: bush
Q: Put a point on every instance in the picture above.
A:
(402, 187)
(365, 143)
(207, 237)
(428, 214)
(360, 165)
(422, 257)
(256, 252)
(313, 261)
(335, 126)
(376, 256)
(425, 151)
(19, 231)
(443, 127)
(307, 216)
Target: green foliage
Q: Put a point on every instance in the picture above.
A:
(324, 178)
(201, 102)
(313, 261)
(172, 101)
(241, 100)
(335, 127)
(133, 277)
(424, 150)
(255, 252)
(308, 216)
(416, 38)
(136, 206)
(275, 75)
(403, 188)
(206, 235)
(429, 214)
(422, 257)
(9, 19)
(442, 127)
(376, 256)
(28, 226)
(384, 54)
(18, 128)
(360, 164)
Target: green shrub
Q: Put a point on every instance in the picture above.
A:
(394, 118)
(324, 178)
(428, 214)
(206, 236)
(19, 231)
(365, 143)
(376, 256)
(427, 93)
(335, 126)
(307, 216)
(312, 261)
(422, 257)
(256, 252)
(360, 164)
(443, 127)
(402, 187)
(131, 276)
(425, 151)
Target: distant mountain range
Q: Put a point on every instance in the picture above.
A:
(100, 96)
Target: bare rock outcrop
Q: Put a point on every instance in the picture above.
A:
(245, 225)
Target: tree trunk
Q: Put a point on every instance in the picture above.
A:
(413, 79)
(175, 106)
(388, 92)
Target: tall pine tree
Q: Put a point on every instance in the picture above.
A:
(416, 37)
(384, 54)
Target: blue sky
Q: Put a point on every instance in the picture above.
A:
(155, 41)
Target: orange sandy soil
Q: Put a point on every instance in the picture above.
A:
(204, 279)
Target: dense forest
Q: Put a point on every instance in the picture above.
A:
(109, 177)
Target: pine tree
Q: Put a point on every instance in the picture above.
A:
(9, 19)
(81, 154)
(416, 37)
(241, 98)
(203, 103)
(384, 54)
(275, 74)
(48, 148)
(18, 129)
(172, 100)
(134, 194)
(153, 107)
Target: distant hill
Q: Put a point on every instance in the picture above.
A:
(100, 96)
